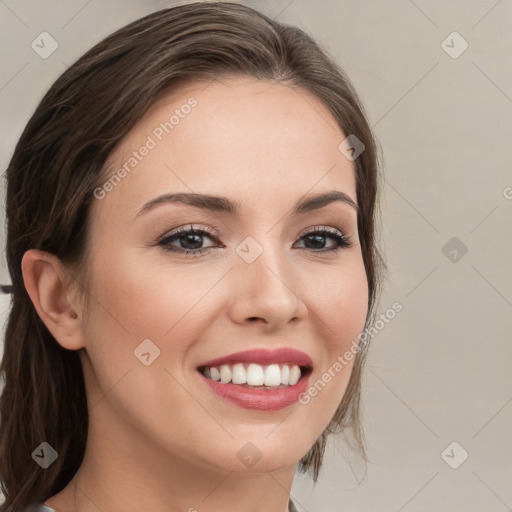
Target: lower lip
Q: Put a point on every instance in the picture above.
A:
(262, 399)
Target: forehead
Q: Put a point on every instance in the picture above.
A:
(238, 137)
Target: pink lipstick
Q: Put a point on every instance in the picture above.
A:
(278, 377)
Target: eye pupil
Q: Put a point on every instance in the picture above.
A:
(194, 239)
(318, 241)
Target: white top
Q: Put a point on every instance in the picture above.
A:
(39, 507)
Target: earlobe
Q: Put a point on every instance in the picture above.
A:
(46, 283)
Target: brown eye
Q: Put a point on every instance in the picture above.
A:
(190, 241)
(315, 240)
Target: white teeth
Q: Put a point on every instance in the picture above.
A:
(294, 375)
(274, 375)
(255, 375)
(239, 376)
(285, 374)
(225, 374)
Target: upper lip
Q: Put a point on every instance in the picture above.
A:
(263, 357)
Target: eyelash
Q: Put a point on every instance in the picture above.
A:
(342, 241)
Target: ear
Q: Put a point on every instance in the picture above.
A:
(47, 283)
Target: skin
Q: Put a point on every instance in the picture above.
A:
(159, 439)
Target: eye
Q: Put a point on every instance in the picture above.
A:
(314, 239)
(190, 240)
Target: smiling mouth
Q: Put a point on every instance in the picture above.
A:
(274, 376)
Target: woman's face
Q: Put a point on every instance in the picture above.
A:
(157, 313)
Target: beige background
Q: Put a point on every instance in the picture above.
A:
(440, 371)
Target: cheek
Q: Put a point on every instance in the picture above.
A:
(341, 305)
(134, 301)
(143, 298)
(340, 299)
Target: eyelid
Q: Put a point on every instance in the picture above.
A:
(216, 233)
(321, 227)
(198, 227)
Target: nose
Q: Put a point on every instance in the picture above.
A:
(266, 290)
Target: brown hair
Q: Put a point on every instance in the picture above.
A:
(60, 159)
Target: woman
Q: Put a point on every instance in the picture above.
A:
(191, 241)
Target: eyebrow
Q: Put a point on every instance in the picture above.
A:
(225, 205)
